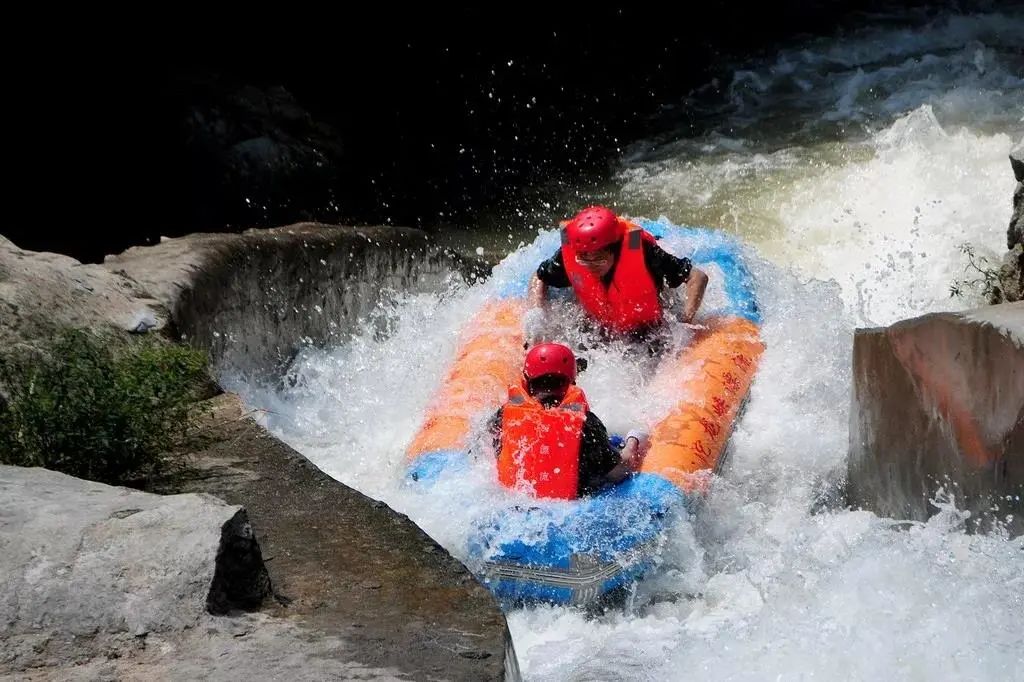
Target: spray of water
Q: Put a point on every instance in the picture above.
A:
(854, 168)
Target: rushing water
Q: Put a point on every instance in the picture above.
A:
(853, 168)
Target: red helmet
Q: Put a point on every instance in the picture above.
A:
(593, 228)
(550, 358)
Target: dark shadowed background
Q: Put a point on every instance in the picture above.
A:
(127, 126)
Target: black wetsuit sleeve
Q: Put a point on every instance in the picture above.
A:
(597, 456)
(665, 268)
(494, 428)
(552, 272)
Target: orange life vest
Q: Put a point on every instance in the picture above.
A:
(540, 447)
(630, 302)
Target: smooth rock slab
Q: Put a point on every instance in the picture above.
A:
(88, 567)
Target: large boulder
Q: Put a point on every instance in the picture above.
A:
(938, 403)
(103, 583)
(89, 568)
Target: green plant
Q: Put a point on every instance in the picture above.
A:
(88, 409)
(985, 282)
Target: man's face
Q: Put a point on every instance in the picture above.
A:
(599, 263)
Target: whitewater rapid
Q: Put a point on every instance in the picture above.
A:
(853, 168)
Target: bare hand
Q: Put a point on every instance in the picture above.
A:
(695, 287)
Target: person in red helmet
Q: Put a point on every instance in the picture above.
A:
(546, 438)
(618, 274)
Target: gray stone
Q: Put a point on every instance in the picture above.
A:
(253, 300)
(1017, 161)
(938, 402)
(87, 567)
(1010, 286)
(247, 647)
(1015, 234)
(143, 322)
(43, 292)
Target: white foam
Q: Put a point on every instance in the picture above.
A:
(1008, 318)
(884, 217)
(837, 596)
(856, 167)
(888, 229)
(759, 586)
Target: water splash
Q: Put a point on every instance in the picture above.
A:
(854, 167)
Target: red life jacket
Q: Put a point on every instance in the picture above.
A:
(630, 301)
(540, 447)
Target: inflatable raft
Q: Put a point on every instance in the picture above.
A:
(575, 552)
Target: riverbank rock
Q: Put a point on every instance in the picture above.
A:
(348, 567)
(42, 292)
(1011, 276)
(938, 404)
(1011, 271)
(359, 591)
(90, 569)
(254, 299)
(1015, 235)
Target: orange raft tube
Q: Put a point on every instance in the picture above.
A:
(489, 360)
(688, 443)
(713, 374)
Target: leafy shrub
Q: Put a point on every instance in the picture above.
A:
(85, 408)
(984, 280)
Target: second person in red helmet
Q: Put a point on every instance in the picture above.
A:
(618, 273)
(546, 438)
